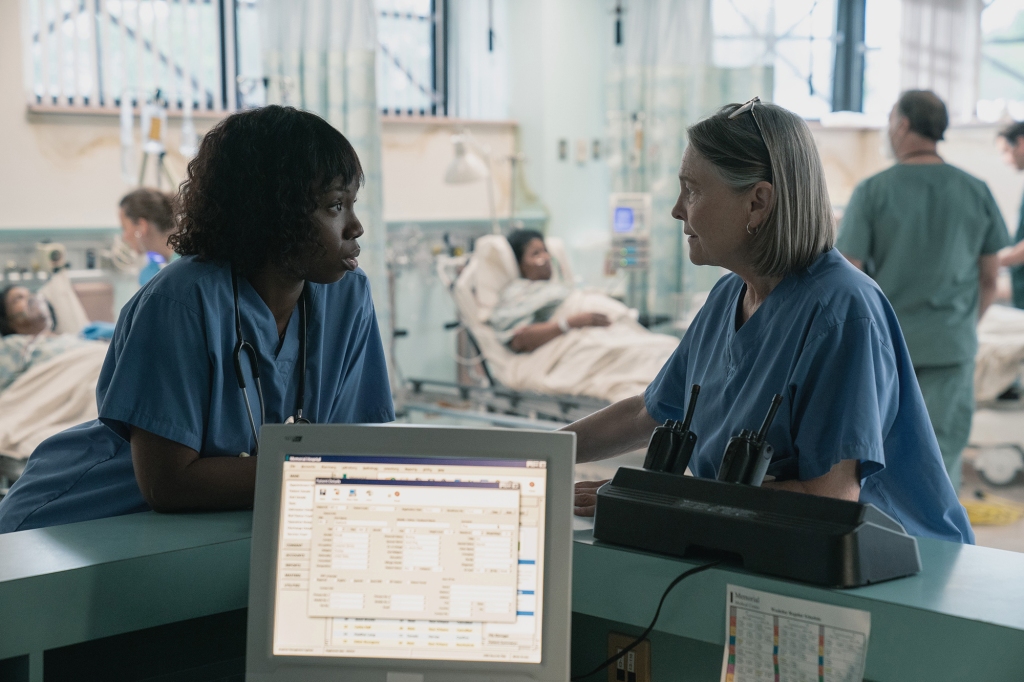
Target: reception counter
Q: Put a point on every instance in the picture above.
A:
(163, 596)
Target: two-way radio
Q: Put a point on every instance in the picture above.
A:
(672, 443)
(748, 454)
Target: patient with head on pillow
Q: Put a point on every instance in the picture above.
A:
(540, 333)
(525, 315)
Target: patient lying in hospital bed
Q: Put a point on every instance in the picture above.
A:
(48, 372)
(538, 333)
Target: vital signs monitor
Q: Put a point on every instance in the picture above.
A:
(410, 554)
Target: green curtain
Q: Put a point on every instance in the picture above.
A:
(662, 78)
(319, 55)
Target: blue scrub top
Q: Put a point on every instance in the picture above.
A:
(826, 339)
(170, 371)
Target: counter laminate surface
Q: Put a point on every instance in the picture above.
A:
(961, 618)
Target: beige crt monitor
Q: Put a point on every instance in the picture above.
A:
(411, 554)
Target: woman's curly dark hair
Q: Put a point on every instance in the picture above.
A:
(251, 191)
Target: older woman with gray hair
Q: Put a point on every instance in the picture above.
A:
(793, 318)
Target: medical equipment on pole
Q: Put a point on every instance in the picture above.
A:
(153, 124)
(629, 218)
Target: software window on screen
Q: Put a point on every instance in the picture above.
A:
(403, 557)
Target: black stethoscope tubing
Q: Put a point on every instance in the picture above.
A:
(243, 346)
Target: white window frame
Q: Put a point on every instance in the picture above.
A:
(69, 96)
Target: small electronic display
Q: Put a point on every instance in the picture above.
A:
(625, 220)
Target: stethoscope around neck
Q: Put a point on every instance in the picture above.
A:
(243, 346)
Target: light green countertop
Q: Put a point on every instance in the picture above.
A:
(962, 618)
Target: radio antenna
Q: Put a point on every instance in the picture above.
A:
(763, 433)
(693, 405)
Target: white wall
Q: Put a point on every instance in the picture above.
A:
(56, 171)
(62, 171)
(557, 54)
(415, 155)
(850, 155)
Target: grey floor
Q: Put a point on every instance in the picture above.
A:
(1009, 537)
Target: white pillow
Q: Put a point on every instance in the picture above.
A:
(68, 311)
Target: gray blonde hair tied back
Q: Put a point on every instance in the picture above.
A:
(800, 225)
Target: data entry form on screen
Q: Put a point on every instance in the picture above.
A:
(405, 557)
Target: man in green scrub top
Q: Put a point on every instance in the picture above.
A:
(1013, 256)
(929, 234)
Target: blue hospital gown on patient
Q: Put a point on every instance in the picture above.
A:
(170, 371)
(826, 339)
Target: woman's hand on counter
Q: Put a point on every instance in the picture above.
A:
(586, 497)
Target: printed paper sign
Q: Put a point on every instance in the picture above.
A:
(770, 638)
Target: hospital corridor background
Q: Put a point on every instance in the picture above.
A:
(519, 203)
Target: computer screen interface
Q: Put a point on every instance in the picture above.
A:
(423, 558)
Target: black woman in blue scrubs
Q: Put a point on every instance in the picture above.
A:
(268, 284)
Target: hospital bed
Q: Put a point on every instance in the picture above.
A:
(53, 395)
(998, 427)
(558, 381)
(477, 394)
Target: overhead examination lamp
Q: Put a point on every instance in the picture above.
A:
(468, 167)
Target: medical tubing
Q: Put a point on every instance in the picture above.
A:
(694, 392)
(763, 433)
(686, 574)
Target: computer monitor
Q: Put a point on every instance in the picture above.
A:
(410, 554)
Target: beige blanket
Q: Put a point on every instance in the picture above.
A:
(611, 363)
(49, 398)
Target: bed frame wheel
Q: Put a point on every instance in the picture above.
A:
(999, 465)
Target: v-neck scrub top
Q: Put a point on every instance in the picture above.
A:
(170, 371)
(920, 230)
(828, 341)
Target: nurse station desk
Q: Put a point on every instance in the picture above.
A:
(163, 597)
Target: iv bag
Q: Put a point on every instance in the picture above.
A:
(154, 127)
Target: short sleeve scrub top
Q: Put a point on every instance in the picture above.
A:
(170, 371)
(828, 341)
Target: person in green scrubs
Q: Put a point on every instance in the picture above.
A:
(1013, 256)
(930, 234)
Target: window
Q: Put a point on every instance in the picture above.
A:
(90, 53)
(795, 38)
(881, 57)
(410, 57)
(1001, 79)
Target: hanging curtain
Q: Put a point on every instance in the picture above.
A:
(477, 65)
(319, 56)
(940, 50)
(664, 76)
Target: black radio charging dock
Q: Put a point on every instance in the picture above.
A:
(790, 535)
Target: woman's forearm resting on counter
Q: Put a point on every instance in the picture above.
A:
(174, 478)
